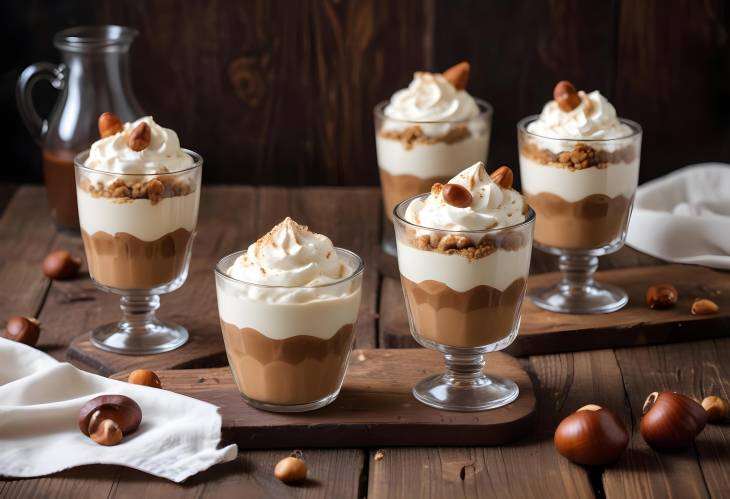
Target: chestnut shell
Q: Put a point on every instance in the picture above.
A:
(672, 422)
(126, 413)
(592, 437)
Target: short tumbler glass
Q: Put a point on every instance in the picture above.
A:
(414, 155)
(288, 347)
(138, 233)
(463, 293)
(583, 193)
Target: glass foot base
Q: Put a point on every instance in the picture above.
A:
(479, 394)
(310, 406)
(595, 298)
(156, 337)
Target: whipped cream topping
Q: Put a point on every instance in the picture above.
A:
(492, 206)
(112, 154)
(594, 119)
(290, 256)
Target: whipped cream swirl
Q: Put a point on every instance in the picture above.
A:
(594, 119)
(294, 260)
(492, 206)
(163, 155)
(433, 101)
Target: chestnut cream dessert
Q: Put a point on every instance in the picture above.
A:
(138, 205)
(427, 129)
(463, 256)
(288, 307)
(579, 168)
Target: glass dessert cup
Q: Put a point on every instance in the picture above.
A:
(464, 307)
(288, 347)
(412, 156)
(138, 233)
(583, 193)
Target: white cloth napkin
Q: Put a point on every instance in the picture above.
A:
(40, 399)
(685, 216)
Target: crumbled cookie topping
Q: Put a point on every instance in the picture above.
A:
(454, 244)
(582, 156)
(156, 189)
(414, 135)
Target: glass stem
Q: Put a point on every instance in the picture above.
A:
(577, 272)
(138, 312)
(464, 370)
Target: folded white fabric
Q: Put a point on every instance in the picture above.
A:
(40, 399)
(685, 216)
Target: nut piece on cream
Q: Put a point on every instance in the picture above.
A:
(491, 205)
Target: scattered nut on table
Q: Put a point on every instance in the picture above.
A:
(718, 409)
(591, 436)
(671, 421)
(144, 377)
(60, 265)
(703, 306)
(291, 469)
(108, 418)
(661, 296)
(24, 330)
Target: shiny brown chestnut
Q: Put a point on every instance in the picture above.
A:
(591, 436)
(456, 195)
(671, 421)
(108, 418)
(566, 95)
(109, 124)
(144, 377)
(661, 296)
(717, 408)
(291, 469)
(503, 177)
(61, 264)
(24, 330)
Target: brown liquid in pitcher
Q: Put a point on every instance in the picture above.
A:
(58, 172)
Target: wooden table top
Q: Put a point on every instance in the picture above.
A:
(232, 217)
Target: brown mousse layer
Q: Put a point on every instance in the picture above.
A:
(592, 222)
(396, 188)
(122, 261)
(480, 316)
(293, 371)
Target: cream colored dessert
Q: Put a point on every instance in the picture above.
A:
(426, 129)
(288, 306)
(138, 208)
(579, 167)
(464, 265)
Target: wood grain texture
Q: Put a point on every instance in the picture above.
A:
(374, 408)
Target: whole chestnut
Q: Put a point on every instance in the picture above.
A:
(671, 421)
(591, 436)
(60, 265)
(144, 377)
(717, 408)
(291, 469)
(106, 419)
(24, 330)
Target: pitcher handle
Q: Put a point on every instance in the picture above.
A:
(55, 74)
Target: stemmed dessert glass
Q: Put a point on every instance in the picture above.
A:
(592, 223)
(139, 248)
(464, 324)
(410, 168)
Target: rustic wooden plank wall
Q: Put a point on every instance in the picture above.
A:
(279, 92)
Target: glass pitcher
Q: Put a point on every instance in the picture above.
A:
(93, 78)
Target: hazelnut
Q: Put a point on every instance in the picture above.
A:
(61, 264)
(24, 330)
(718, 409)
(292, 469)
(566, 96)
(671, 421)
(144, 377)
(661, 296)
(503, 177)
(108, 418)
(592, 435)
(703, 306)
(458, 75)
(456, 195)
(109, 124)
(140, 137)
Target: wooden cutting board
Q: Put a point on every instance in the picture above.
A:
(636, 324)
(375, 407)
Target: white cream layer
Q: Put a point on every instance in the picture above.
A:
(498, 270)
(138, 217)
(617, 179)
(279, 321)
(430, 160)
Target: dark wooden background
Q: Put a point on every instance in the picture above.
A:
(281, 92)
